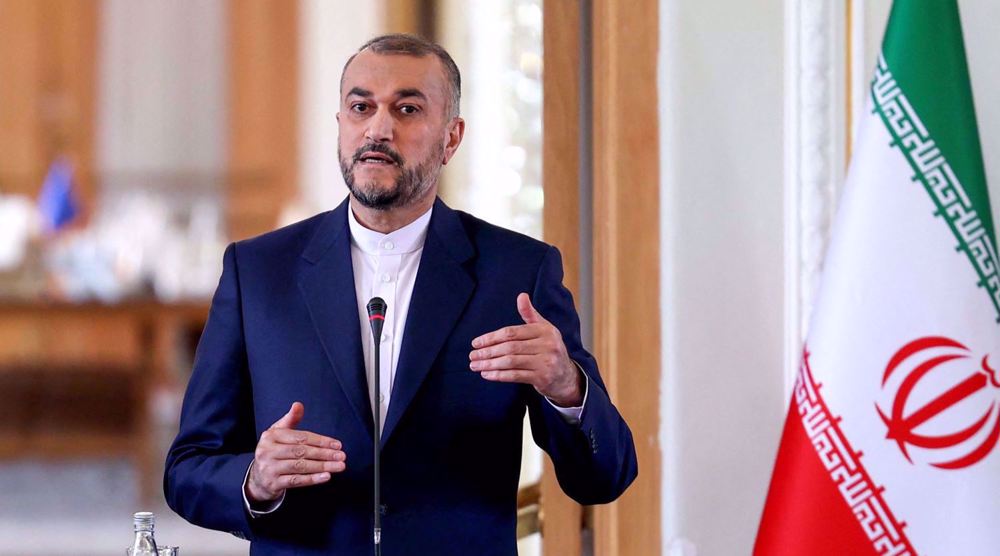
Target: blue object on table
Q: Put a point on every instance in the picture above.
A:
(57, 202)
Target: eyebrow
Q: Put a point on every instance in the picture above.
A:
(358, 91)
(401, 93)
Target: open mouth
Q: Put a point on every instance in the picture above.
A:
(376, 158)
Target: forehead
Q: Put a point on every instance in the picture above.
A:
(384, 74)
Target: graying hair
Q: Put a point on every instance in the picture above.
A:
(412, 45)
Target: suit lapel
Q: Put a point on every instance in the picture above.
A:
(327, 284)
(442, 289)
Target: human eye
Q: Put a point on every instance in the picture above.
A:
(359, 107)
(409, 109)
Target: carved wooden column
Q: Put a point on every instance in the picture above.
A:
(411, 16)
(263, 113)
(562, 518)
(47, 91)
(627, 256)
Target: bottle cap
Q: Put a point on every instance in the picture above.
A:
(143, 521)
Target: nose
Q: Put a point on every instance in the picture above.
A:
(380, 126)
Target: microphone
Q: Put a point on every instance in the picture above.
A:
(376, 318)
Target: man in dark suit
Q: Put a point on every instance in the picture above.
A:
(277, 428)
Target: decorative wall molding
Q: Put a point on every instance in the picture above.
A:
(816, 118)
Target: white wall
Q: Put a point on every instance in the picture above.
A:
(331, 31)
(162, 91)
(721, 117)
(980, 22)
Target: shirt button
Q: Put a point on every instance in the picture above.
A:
(388, 245)
(386, 278)
(385, 336)
(381, 398)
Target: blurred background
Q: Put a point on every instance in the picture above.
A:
(138, 138)
(691, 154)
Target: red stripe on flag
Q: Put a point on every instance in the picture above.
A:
(822, 500)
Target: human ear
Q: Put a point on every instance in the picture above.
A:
(456, 131)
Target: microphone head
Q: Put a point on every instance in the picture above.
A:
(377, 306)
(376, 315)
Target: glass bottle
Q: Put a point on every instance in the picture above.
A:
(144, 543)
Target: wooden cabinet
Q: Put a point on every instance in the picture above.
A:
(78, 380)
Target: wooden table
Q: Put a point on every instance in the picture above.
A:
(76, 380)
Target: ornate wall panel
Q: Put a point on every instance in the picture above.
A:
(816, 117)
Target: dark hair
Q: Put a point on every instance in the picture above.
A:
(412, 45)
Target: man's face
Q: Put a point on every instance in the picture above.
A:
(395, 128)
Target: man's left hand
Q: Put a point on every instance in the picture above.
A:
(531, 353)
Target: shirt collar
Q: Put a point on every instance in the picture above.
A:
(407, 239)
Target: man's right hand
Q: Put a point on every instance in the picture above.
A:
(288, 458)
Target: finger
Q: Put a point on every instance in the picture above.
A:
(527, 310)
(304, 451)
(289, 436)
(296, 481)
(506, 334)
(306, 467)
(505, 363)
(522, 376)
(516, 347)
(291, 419)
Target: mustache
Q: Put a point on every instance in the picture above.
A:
(380, 148)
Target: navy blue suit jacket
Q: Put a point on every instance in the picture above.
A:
(284, 327)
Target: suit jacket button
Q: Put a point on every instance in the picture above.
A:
(383, 509)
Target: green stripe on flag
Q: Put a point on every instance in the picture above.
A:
(923, 45)
(921, 91)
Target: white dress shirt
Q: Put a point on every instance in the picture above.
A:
(385, 265)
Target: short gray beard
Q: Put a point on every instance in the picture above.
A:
(412, 184)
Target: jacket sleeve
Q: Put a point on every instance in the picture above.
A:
(595, 459)
(205, 467)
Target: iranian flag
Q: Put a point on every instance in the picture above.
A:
(890, 445)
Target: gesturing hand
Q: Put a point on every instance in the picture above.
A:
(288, 458)
(532, 353)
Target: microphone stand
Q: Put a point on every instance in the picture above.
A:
(376, 317)
(377, 455)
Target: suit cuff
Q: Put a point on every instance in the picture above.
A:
(572, 415)
(262, 508)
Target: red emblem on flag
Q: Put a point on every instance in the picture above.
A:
(926, 360)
